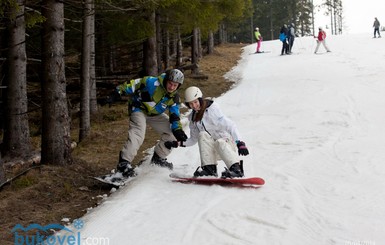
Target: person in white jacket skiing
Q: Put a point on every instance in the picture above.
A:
(217, 136)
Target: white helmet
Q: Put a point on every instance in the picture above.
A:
(192, 93)
(174, 75)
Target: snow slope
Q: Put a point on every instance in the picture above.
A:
(314, 125)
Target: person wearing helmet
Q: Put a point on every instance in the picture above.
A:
(150, 97)
(217, 136)
(258, 37)
(321, 39)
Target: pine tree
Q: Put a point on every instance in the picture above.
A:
(56, 141)
(16, 131)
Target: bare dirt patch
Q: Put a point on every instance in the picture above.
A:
(47, 194)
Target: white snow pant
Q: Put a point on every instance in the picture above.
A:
(323, 43)
(137, 132)
(213, 150)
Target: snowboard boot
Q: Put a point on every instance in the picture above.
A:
(125, 168)
(207, 170)
(235, 171)
(162, 162)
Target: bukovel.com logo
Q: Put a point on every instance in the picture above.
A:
(35, 234)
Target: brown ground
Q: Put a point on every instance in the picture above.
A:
(48, 194)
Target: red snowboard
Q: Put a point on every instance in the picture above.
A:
(253, 182)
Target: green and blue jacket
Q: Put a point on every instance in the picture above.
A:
(149, 95)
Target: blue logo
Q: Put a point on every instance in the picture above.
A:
(78, 224)
(28, 235)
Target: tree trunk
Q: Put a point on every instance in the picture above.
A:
(331, 19)
(221, 34)
(85, 120)
(150, 67)
(173, 43)
(16, 131)
(195, 49)
(166, 49)
(101, 45)
(158, 35)
(199, 45)
(93, 94)
(179, 48)
(210, 43)
(2, 175)
(112, 59)
(56, 141)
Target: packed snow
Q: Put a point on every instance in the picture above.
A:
(314, 126)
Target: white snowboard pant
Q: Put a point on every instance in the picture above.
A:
(323, 43)
(213, 150)
(137, 132)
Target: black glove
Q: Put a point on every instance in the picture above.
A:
(180, 135)
(171, 144)
(242, 149)
(113, 97)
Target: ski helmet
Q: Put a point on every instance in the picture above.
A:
(256, 28)
(192, 93)
(174, 75)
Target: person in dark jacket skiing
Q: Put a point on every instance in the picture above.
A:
(376, 26)
(283, 37)
(290, 36)
(217, 136)
(150, 98)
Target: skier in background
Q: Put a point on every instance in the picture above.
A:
(258, 37)
(217, 136)
(376, 26)
(291, 36)
(321, 39)
(150, 98)
(283, 37)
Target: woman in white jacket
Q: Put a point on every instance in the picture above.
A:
(217, 136)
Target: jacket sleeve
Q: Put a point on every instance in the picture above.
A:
(320, 36)
(175, 116)
(132, 86)
(194, 134)
(225, 123)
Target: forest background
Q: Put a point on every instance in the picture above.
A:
(59, 60)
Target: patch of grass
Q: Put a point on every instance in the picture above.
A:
(24, 182)
(110, 118)
(67, 189)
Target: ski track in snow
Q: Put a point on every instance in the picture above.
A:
(314, 128)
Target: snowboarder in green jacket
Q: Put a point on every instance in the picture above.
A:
(258, 37)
